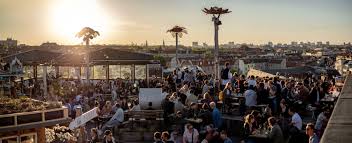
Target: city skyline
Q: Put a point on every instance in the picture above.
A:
(125, 22)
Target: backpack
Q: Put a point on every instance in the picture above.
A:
(225, 73)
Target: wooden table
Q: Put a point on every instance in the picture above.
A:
(197, 120)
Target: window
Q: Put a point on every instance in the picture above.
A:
(64, 72)
(99, 72)
(25, 138)
(28, 72)
(126, 71)
(83, 73)
(114, 71)
(40, 71)
(140, 71)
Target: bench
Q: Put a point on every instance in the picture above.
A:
(145, 115)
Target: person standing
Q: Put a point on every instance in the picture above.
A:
(313, 138)
(216, 115)
(251, 97)
(226, 75)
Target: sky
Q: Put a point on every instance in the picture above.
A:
(137, 21)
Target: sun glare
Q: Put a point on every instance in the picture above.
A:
(70, 16)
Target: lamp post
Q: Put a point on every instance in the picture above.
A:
(216, 12)
(177, 32)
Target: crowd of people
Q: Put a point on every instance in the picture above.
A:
(195, 104)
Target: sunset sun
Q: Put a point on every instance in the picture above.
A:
(70, 16)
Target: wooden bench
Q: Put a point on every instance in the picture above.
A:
(145, 115)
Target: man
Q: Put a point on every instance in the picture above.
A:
(116, 120)
(216, 115)
(226, 75)
(165, 136)
(313, 138)
(224, 137)
(157, 137)
(252, 81)
(321, 120)
(275, 133)
(251, 97)
(296, 120)
(190, 135)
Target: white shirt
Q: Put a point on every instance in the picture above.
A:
(188, 136)
(251, 97)
(297, 121)
(252, 82)
(119, 115)
(320, 121)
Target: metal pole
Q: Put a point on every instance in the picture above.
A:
(176, 63)
(216, 44)
(87, 62)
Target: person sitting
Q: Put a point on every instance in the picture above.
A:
(136, 106)
(116, 120)
(107, 109)
(313, 138)
(108, 138)
(248, 128)
(190, 135)
(275, 134)
(216, 115)
(94, 135)
(193, 112)
(296, 120)
(224, 137)
(205, 114)
(157, 137)
(165, 136)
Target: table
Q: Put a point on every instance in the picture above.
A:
(260, 138)
(197, 120)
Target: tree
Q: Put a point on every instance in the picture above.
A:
(161, 59)
(87, 34)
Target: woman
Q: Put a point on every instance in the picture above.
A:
(108, 138)
(248, 129)
(94, 134)
(107, 109)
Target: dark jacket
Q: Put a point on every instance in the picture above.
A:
(275, 135)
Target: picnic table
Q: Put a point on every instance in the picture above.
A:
(194, 120)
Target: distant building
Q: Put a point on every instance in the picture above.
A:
(343, 64)
(270, 44)
(327, 43)
(293, 43)
(195, 44)
(231, 43)
(49, 44)
(205, 45)
(261, 64)
(319, 43)
(8, 43)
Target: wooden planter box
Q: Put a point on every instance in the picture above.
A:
(35, 117)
